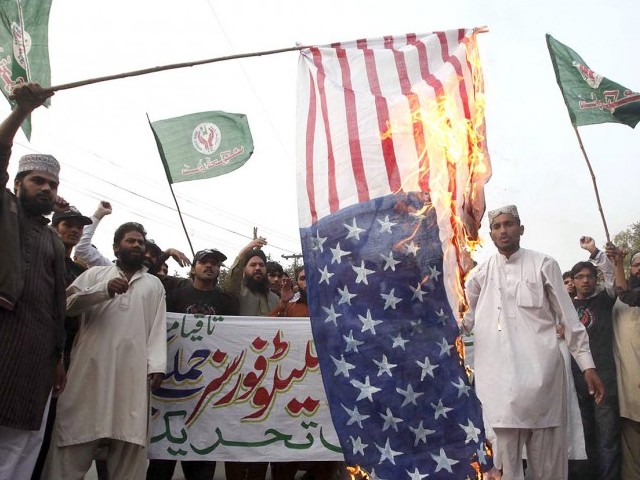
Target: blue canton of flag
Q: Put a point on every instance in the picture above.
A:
(386, 339)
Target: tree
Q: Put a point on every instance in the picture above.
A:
(629, 240)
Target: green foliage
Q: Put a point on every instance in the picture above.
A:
(629, 241)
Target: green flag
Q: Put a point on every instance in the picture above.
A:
(202, 145)
(591, 98)
(24, 52)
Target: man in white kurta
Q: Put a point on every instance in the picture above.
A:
(120, 345)
(515, 298)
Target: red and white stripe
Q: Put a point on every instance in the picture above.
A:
(348, 95)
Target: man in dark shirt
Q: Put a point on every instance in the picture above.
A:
(202, 297)
(31, 295)
(69, 224)
(601, 422)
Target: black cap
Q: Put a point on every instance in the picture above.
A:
(150, 244)
(256, 252)
(209, 252)
(71, 212)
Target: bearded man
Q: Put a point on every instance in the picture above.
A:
(31, 295)
(119, 353)
(626, 350)
(247, 282)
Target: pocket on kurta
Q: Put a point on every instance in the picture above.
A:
(530, 294)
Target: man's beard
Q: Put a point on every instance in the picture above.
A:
(257, 286)
(634, 281)
(33, 206)
(128, 261)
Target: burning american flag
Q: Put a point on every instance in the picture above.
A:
(391, 162)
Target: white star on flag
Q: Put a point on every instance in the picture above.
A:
(417, 292)
(352, 343)
(389, 261)
(368, 323)
(358, 446)
(398, 341)
(390, 420)
(337, 254)
(434, 273)
(325, 275)
(318, 241)
(409, 396)
(345, 296)
(427, 368)
(362, 273)
(445, 348)
(390, 300)
(385, 225)
(355, 416)
(421, 433)
(342, 366)
(471, 431)
(441, 410)
(442, 317)
(366, 389)
(354, 230)
(462, 388)
(332, 315)
(412, 248)
(416, 475)
(443, 461)
(384, 366)
(386, 453)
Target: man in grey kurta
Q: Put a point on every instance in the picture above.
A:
(31, 296)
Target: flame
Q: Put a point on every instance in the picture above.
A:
(453, 141)
(358, 473)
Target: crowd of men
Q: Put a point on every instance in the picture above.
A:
(557, 357)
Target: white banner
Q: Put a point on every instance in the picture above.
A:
(241, 388)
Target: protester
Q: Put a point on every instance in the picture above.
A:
(31, 295)
(514, 300)
(120, 352)
(601, 420)
(567, 279)
(626, 349)
(154, 256)
(69, 224)
(247, 282)
(290, 304)
(275, 275)
(201, 297)
(295, 305)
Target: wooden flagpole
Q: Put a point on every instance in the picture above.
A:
(166, 171)
(595, 185)
(136, 73)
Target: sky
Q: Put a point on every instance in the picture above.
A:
(101, 136)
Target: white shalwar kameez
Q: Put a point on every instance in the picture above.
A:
(515, 304)
(120, 342)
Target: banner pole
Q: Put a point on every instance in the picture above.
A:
(595, 185)
(136, 73)
(193, 253)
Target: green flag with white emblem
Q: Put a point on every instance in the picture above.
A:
(590, 97)
(24, 51)
(202, 145)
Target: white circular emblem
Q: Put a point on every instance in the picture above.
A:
(206, 138)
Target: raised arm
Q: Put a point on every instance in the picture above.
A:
(600, 260)
(28, 97)
(84, 249)
(233, 281)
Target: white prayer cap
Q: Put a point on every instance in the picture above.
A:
(509, 209)
(40, 162)
(636, 255)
